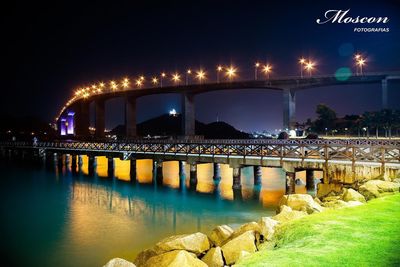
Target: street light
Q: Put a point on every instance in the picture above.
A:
(113, 85)
(125, 83)
(267, 69)
(219, 69)
(256, 70)
(154, 80)
(176, 78)
(309, 67)
(188, 72)
(200, 75)
(231, 72)
(161, 78)
(139, 82)
(302, 62)
(360, 63)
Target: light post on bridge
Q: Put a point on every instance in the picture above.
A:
(267, 69)
(201, 75)
(302, 62)
(161, 79)
(154, 81)
(256, 70)
(231, 73)
(188, 72)
(176, 78)
(219, 69)
(309, 67)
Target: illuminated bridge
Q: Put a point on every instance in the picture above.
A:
(343, 162)
(74, 116)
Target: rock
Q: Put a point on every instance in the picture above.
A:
(176, 258)
(196, 243)
(144, 256)
(243, 254)
(233, 248)
(396, 180)
(375, 188)
(220, 234)
(267, 226)
(251, 226)
(301, 202)
(118, 262)
(352, 195)
(213, 257)
(287, 214)
(331, 198)
(318, 200)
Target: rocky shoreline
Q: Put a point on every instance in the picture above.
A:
(225, 246)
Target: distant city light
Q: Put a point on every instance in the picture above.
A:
(173, 112)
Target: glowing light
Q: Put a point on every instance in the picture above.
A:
(219, 68)
(154, 80)
(231, 72)
(125, 83)
(173, 112)
(163, 74)
(101, 84)
(267, 70)
(302, 61)
(113, 85)
(139, 82)
(309, 67)
(200, 75)
(357, 56)
(257, 65)
(189, 71)
(141, 78)
(176, 78)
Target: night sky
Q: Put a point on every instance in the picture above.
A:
(52, 49)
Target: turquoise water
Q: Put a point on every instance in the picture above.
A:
(51, 217)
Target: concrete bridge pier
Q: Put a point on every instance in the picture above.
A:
(159, 171)
(59, 159)
(217, 172)
(310, 183)
(132, 170)
(82, 118)
(193, 173)
(91, 165)
(130, 116)
(99, 118)
(237, 184)
(188, 114)
(110, 166)
(289, 109)
(257, 175)
(290, 183)
(182, 171)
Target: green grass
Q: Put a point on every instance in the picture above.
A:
(367, 235)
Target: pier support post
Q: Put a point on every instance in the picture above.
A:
(132, 171)
(217, 171)
(130, 116)
(188, 114)
(310, 184)
(290, 183)
(91, 164)
(289, 109)
(110, 166)
(99, 118)
(237, 178)
(384, 93)
(193, 173)
(182, 171)
(257, 175)
(159, 171)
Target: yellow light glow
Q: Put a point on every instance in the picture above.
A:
(101, 84)
(176, 78)
(189, 71)
(141, 78)
(357, 56)
(257, 64)
(302, 61)
(139, 82)
(310, 65)
(154, 80)
(231, 72)
(361, 62)
(200, 75)
(219, 68)
(267, 68)
(163, 74)
(125, 83)
(113, 85)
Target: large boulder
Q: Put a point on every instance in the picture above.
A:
(232, 250)
(118, 262)
(176, 258)
(287, 214)
(213, 257)
(251, 226)
(376, 188)
(220, 234)
(267, 226)
(196, 243)
(352, 195)
(144, 256)
(301, 202)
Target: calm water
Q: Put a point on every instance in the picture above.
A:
(51, 217)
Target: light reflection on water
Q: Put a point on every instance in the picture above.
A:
(100, 218)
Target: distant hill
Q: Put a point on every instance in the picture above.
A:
(166, 125)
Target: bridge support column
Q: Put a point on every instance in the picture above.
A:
(290, 183)
(310, 184)
(159, 171)
(132, 171)
(74, 164)
(217, 171)
(237, 184)
(59, 159)
(130, 116)
(182, 171)
(193, 173)
(257, 175)
(99, 118)
(91, 164)
(82, 115)
(188, 114)
(289, 109)
(110, 166)
(384, 93)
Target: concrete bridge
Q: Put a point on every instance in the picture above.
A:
(343, 162)
(78, 106)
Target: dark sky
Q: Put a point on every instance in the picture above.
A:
(52, 49)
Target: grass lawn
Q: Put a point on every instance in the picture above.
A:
(368, 235)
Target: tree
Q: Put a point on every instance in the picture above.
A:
(326, 118)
